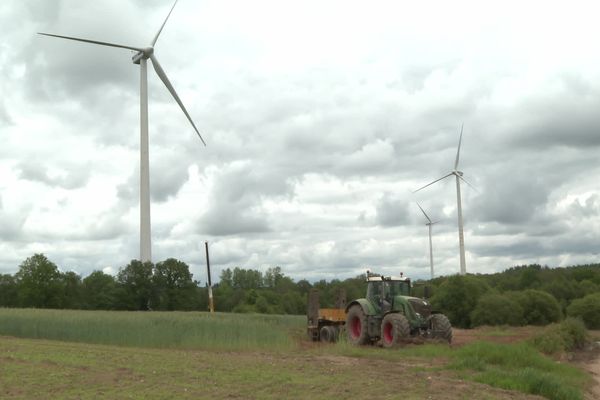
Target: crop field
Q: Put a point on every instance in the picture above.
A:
(79, 355)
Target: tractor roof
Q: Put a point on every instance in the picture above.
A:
(379, 278)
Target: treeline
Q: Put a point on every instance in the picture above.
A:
(528, 294)
(523, 295)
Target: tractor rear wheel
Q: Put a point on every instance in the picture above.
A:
(440, 327)
(356, 325)
(394, 330)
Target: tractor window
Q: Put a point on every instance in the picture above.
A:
(399, 288)
(374, 292)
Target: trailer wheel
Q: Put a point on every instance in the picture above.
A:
(440, 327)
(394, 330)
(356, 325)
(328, 334)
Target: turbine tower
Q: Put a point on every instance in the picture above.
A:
(140, 58)
(459, 176)
(429, 224)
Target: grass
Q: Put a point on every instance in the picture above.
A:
(32, 369)
(187, 330)
(519, 367)
(252, 350)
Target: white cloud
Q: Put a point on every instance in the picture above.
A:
(320, 118)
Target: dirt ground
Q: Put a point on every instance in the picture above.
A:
(589, 359)
(461, 337)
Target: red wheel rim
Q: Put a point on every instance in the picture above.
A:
(388, 336)
(355, 327)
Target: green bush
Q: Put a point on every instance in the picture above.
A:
(497, 309)
(569, 335)
(588, 309)
(539, 307)
(457, 298)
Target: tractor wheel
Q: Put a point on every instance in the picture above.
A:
(440, 327)
(394, 330)
(356, 325)
(328, 334)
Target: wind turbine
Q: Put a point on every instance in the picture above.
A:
(459, 176)
(429, 224)
(141, 57)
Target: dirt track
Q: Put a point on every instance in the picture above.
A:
(594, 369)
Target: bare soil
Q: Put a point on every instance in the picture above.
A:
(460, 337)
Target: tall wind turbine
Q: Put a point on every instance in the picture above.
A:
(141, 57)
(459, 176)
(429, 224)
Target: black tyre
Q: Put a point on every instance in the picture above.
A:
(328, 334)
(440, 327)
(394, 330)
(356, 325)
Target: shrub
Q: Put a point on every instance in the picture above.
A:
(569, 335)
(457, 298)
(539, 307)
(588, 309)
(497, 309)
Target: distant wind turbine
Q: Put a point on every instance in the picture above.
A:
(141, 57)
(429, 224)
(459, 176)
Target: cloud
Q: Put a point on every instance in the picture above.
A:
(236, 199)
(70, 178)
(391, 210)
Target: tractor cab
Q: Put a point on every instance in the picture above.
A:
(383, 291)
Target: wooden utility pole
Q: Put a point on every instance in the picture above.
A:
(211, 305)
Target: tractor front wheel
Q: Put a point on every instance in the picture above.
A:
(440, 327)
(356, 325)
(394, 330)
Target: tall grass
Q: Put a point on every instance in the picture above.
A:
(190, 330)
(519, 367)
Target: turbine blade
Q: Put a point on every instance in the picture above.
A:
(163, 77)
(92, 41)
(465, 181)
(429, 184)
(458, 151)
(163, 25)
(424, 213)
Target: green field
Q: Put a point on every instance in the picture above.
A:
(79, 354)
(184, 330)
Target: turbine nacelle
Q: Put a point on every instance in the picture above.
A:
(144, 53)
(458, 173)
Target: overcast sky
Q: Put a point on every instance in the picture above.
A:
(321, 118)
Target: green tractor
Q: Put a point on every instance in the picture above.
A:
(390, 315)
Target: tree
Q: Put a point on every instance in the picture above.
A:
(226, 277)
(174, 288)
(135, 281)
(39, 283)
(99, 291)
(247, 278)
(457, 298)
(497, 309)
(72, 290)
(8, 291)
(588, 309)
(539, 307)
